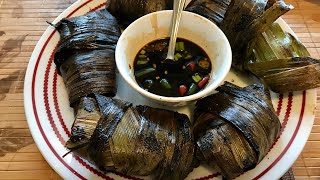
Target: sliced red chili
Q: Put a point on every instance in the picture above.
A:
(203, 82)
(182, 90)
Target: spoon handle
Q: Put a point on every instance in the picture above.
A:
(177, 11)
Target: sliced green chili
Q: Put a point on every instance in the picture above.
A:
(192, 89)
(164, 83)
(145, 72)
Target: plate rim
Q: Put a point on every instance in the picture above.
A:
(32, 66)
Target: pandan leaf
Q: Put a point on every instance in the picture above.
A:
(282, 61)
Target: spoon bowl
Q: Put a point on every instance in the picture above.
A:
(177, 11)
(194, 28)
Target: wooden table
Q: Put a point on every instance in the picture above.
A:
(22, 22)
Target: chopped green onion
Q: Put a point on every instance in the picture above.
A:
(177, 56)
(142, 56)
(145, 72)
(180, 46)
(142, 61)
(196, 77)
(192, 89)
(164, 83)
(142, 51)
(188, 56)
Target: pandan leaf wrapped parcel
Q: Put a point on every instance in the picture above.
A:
(245, 19)
(282, 62)
(240, 20)
(119, 137)
(85, 54)
(126, 11)
(214, 10)
(235, 128)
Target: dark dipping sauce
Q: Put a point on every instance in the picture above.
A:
(187, 74)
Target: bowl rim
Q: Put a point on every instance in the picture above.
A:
(202, 93)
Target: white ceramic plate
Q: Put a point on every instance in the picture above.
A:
(50, 117)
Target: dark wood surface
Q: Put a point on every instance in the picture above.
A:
(22, 22)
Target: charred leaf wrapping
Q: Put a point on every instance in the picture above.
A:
(282, 62)
(244, 20)
(178, 149)
(126, 11)
(235, 128)
(95, 30)
(214, 10)
(224, 147)
(271, 2)
(87, 117)
(134, 140)
(286, 75)
(89, 72)
(111, 113)
(85, 54)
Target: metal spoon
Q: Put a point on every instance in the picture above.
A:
(177, 11)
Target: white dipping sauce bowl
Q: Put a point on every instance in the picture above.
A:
(194, 28)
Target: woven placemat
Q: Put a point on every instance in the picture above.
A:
(288, 175)
(22, 22)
